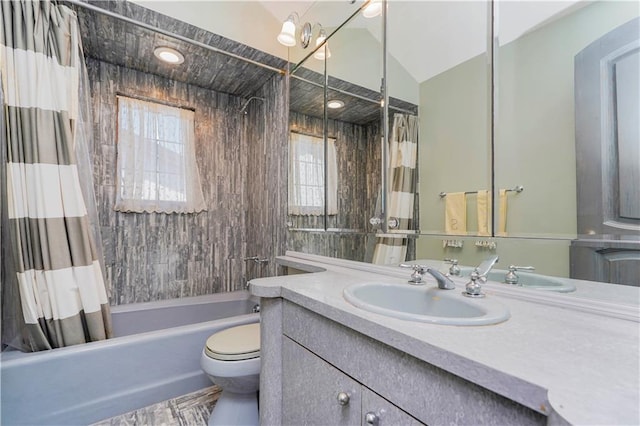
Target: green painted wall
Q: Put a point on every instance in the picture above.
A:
(534, 140)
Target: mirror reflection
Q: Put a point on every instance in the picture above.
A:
(444, 68)
(544, 124)
(348, 125)
(306, 156)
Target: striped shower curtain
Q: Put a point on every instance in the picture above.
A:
(53, 291)
(403, 152)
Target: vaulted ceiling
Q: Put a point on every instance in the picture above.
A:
(428, 37)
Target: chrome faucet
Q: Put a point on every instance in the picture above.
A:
(443, 281)
(478, 276)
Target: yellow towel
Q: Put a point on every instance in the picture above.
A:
(455, 214)
(502, 217)
(483, 205)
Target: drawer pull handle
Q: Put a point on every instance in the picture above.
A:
(343, 398)
(371, 418)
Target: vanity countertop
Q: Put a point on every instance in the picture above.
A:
(551, 357)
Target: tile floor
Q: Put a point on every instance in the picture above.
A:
(188, 410)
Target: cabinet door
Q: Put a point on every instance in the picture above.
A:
(378, 411)
(311, 388)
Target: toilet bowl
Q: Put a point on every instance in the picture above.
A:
(231, 359)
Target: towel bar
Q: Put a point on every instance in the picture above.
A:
(517, 189)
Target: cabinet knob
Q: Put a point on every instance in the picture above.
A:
(371, 418)
(343, 398)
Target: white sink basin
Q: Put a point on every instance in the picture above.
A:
(425, 303)
(528, 280)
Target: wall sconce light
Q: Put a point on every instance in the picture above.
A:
(373, 9)
(168, 55)
(287, 35)
(323, 52)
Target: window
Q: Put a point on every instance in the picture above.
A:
(306, 175)
(157, 170)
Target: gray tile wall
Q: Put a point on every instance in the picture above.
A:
(157, 256)
(266, 173)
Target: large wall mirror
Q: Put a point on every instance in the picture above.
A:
(536, 153)
(506, 127)
(346, 112)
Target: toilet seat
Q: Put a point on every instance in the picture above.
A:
(235, 344)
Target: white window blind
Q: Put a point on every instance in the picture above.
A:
(157, 170)
(306, 175)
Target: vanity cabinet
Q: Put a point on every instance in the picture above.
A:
(309, 359)
(317, 393)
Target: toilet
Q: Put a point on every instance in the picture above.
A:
(231, 359)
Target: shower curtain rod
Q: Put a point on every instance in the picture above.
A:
(170, 34)
(346, 92)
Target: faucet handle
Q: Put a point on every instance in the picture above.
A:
(473, 287)
(454, 269)
(512, 277)
(484, 268)
(521, 268)
(415, 267)
(418, 270)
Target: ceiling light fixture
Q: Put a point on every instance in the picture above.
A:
(323, 52)
(335, 104)
(287, 36)
(168, 55)
(373, 9)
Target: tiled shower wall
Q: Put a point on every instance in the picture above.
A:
(151, 256)
(266, 172)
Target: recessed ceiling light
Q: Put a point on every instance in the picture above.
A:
(335, 104)
(168, 55)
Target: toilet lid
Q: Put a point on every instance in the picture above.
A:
(235, 343)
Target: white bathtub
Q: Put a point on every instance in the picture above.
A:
(155, 356)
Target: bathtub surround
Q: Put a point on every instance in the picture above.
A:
(241, 157)
(153, 256)
(266, 131)
(62, 298)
